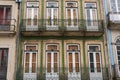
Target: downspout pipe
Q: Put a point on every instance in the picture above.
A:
(18, 37)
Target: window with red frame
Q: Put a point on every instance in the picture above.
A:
(5, 15)
(3, 57)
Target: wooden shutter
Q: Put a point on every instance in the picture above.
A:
(98, 62)
(33, 62)
(55, 62)
(48, 62)
(77, 62)
(27, 62)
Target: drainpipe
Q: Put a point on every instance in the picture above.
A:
(18, 36)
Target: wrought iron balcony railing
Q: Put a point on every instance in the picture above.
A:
(62, 75)
(7, 24)
(114, 17)
(62, 25)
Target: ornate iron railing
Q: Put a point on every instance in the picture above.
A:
(7, 24)
(63, 75)
(62, 25)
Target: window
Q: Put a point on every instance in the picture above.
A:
(72, 15)
(115, 5)
(5, 16)
(32, 15)
(3, 57)
(73, 53)
(94, 58)
(52, 15)
(118, 52)
(91, 16)
(30, 61)
(52, 61)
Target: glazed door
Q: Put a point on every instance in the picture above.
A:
(30, 65)
(52, 57)
(73, 59)
(32, 17)
(95, 63)
(52, 16)
(118, 59)
(72, 16)
(91, 17)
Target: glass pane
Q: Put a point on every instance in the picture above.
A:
(76, 57)
(77, 67)
(70, 63)
(69, 16)
(98, 67)
(88, 17)
(48, 67)
(72, 4)
(27, 57)
(49, 57)
(91, 57)
(30, 48)
(49, 16)
(70, 67)
(70, 57)
(29, 14)
(94, 48)
(52, 47)
(92, 67)
(1, 15)
(55, 16)
(97, 57)
(55, 67)
(55, 57)
(35, 15)
(75, 16)
(26, 67)
(119, 57)
(27, 63)
(73, 47)
(48, 62)
(118, 47)
(33, 67)
(118, 52)
(34, 57)
(7, 16)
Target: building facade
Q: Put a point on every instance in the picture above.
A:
(8, 35)
(62, 40)
(113, 32)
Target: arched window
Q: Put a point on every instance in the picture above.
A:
(118, 52)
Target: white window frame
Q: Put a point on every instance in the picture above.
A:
(94, 56)
(73, 54)
(72, 26)
(116, 5)
(30, 61)
(52, 26)
(52, 74)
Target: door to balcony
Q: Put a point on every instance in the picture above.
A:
(30, 63)
(3, 63)
(118, 56)
(95, 66)
(32, 16)
(52, 62)
(91, 17)
(73, 62)
(52, 16)
(71, 16)
(5, 16)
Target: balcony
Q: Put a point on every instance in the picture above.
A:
(7, 27)
(61, 76)
(62, 27)
(114, 20)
